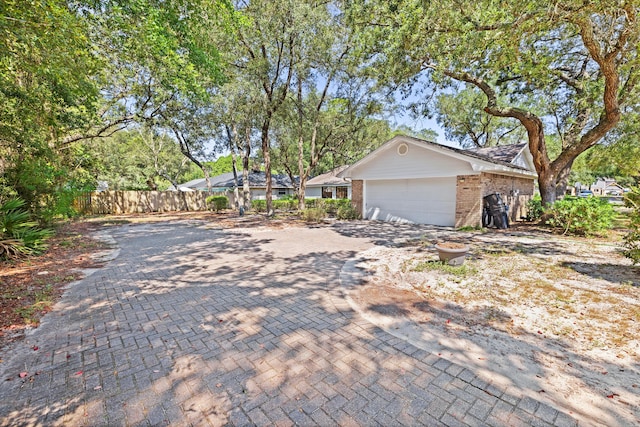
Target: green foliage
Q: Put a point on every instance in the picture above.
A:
(464, 120)
(632, 238)
(139, 160)
(347, 212)
(331, 206)
(526, 58)
(259, 205)
(285, 203)
(19, 235)
(317, 214)
(217, 203)
(534, 208)
(426, 134)
(585, 216)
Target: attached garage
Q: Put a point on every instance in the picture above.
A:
(416, 181)
(420, 200)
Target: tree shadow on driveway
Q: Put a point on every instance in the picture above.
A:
(193, 325)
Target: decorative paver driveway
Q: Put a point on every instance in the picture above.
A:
(193, 325)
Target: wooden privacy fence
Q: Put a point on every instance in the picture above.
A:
(122, 202)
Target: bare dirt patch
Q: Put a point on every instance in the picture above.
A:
(31, 286)
(557, 315)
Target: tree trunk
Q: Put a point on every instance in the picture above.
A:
(246, 154)
(303, 181)
(267, 164)
(547, 185)
(232, 135)
(563, 180)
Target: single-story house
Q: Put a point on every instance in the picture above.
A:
(329, 186)
(607, 187)
(281, 184)
(412, 180)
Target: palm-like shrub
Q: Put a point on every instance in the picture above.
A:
(19, 235)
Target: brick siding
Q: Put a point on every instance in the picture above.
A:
(515, 192)
(470, 189)
(357, 195)
(468, 201)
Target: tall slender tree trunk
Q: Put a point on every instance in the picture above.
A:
(301, 174)
(246, 154)
(232, 135)
(267, 163)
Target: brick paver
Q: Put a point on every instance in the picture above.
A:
(192, 325)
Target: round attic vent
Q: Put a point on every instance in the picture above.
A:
(403, 149)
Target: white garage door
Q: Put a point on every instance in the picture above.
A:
(423, 201)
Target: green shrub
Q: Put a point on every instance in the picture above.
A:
(534, 208)
(259, 205)
(314, 214)
(586, 216)
(332, 205)
(310, 203)
(19, 235)
(285, 203)
(217, 203)
(348, 212)
(632, 239)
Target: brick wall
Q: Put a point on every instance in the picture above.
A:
(470, 189)
(357, 195)
(468, 201)
(515, 192)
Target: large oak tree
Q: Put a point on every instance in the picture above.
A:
(567, 68)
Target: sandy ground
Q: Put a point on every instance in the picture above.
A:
(556, 316)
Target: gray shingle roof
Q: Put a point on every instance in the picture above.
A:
(329, 178)
(504, 153)
(225, 180)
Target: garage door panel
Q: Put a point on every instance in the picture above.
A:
(426, 201)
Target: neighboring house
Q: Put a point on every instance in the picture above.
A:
(607, 187)
(412, 180)
(328, 186)
(281, 184)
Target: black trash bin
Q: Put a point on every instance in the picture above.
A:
(494, 211)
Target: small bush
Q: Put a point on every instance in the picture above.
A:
(332, 205)
(310, 203)
(632, 239)
(347, 212)
(586, 216)
(285, 203)
(534, 208)
(314, 214)
(259, 205)
(19, 235)
(217, 203)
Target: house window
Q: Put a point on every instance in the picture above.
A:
(327, 193)
(282, 191)
(342, 193)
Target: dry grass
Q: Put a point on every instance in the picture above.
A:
(518, 289)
